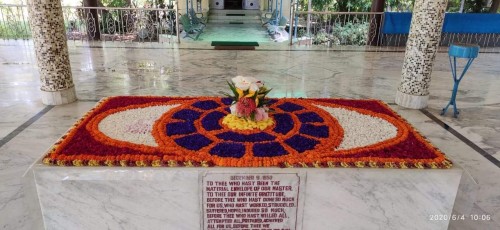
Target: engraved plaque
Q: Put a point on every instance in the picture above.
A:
(250, 201)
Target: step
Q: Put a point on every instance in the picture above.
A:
(225, 17)
(234, 16)
(245, 12)
(233, 21)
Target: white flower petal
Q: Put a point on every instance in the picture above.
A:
(254, 87)
(237, 79)
(360, 129)
(133, 125)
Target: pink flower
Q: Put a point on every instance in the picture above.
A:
(261, 114)
(245, 106)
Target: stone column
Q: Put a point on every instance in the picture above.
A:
(421, 47)
(47, 28)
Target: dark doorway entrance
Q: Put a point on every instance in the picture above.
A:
(233, 4)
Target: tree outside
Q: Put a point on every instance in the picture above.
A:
(470, 6)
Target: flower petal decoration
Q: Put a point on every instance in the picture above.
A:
(245, 89)
(126, 126)
(241, 82)
(132, 131)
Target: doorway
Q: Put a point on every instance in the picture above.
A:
(233, 4)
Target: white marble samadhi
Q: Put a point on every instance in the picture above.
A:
(169, 198)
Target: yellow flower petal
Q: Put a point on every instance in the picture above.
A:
(250, 93)
(240, 92)
(235, 122)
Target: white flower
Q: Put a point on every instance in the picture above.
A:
(233, 109)
(245, 83)
(241, 82)
(254, 87)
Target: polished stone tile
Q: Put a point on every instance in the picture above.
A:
(17, 113)
(20, 152)
(480, 188)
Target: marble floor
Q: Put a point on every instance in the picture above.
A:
(235, 32)
(239, 32)
(28, 128)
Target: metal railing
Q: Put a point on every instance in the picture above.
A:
(98, 23)
(363, 30)
(14, 22)
(344, 30)
(483, 40)
(336, 28)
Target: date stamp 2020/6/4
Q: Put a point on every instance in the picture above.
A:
(474, 217)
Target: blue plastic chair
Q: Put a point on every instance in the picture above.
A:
(458, 50)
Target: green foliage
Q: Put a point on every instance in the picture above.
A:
(322, 5)
(320, 38)
(337, 5)
(352, 6)
(475, 6)
(235, 95)
(301, 32)
(261, 94)
(347, 34)
(400, 5)
(470, 6)
(15, 30)
(115, 3)
(453, 6)
(351, 33)
(13, 23)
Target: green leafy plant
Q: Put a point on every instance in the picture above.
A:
(351, 33)
(320, 38)
(115, 3)
(301, 32)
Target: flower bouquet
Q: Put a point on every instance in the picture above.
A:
(249, 108)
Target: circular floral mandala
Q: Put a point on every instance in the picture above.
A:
(196, 128)
(164, 131)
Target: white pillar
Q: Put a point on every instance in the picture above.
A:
(421, 47)
(49, 37)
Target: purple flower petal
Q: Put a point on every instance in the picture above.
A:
(226, 149)
(301, 143)
(314, 130)
(177, 128)
(284, 123)
(187, 115)
(309, 117)
(238, 137)
(227, 101)
(206, 105)
(271, 101)
(271, 149)
(211, 121)
(290, 107)
(193, 142)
